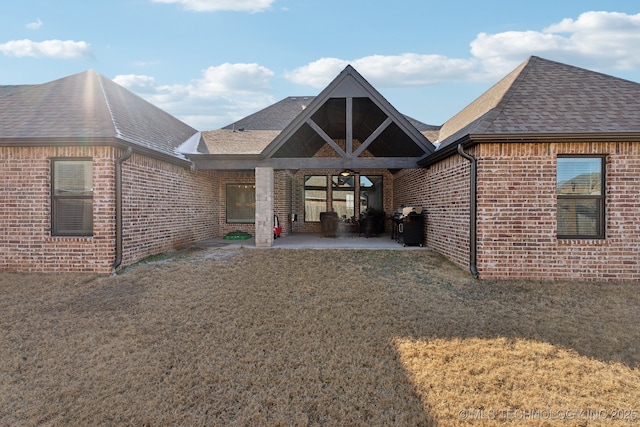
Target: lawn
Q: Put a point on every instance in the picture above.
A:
(315, 337)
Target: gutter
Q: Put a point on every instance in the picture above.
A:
(119, 163)
(473, 232)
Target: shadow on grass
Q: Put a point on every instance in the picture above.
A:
(305, 337)
(524, 352)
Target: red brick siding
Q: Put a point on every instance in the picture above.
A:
(232, 177)
(26, 243)
(165, 206)
(517, 208)
(442, 191)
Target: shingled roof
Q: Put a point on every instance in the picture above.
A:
(546, 98)
(251, 134)
(86, 108)
(274, 117)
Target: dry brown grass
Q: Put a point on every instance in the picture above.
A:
(314, 337)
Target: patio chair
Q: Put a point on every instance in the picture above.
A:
(329, 222)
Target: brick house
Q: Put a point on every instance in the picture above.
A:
(78, 157)
(554, 189)
(537, 178)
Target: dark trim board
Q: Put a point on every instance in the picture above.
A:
(214, 162)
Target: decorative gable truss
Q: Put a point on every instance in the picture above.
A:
(351, 111)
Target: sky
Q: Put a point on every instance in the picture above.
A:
(212, 62)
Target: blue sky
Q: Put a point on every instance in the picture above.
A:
(211, 62)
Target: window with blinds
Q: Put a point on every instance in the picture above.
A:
(580, 191)
(72, 197)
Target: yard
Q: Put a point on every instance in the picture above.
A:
(315, 337)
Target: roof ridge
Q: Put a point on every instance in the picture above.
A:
(509, 92)
(479, 107)
(107, 102)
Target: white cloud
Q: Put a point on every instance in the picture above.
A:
(137, 83)
(34, 25)
(62, 49)
(222, 95)
(318, 73)
(602, 41)
(596, 40)
(406, 70)
(251, 6)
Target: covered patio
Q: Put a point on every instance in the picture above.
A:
(334, 153)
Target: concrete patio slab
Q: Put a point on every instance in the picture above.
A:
(314, 241)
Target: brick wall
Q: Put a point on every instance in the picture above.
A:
(517, 212)
(231, 177)
(442, 191)
(166, 206)
(282, 199)
(26, 243)
(517, 207)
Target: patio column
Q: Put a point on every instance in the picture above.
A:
(264, 207)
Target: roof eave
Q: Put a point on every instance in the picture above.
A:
(94, 142)
(473, 139)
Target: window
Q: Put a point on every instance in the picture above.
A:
(371, 192)
(241, 203)
(580, 190)
(315, 196)
(343, 194)
(72, 197)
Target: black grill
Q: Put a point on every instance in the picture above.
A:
(408, 227)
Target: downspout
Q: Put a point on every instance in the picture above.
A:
(119, 163)
(473, 234)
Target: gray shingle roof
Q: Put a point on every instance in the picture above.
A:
(87, 105)
(227, 141)
(546, 97)
(274, 117)
(254, 132)
(277, 116)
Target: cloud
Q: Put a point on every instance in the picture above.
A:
(34, 25)
(62, 49)
(602, 41)
(252, 6)
(222, 95)
(406, 70)
(596, 40)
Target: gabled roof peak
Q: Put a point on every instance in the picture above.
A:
(348, 85)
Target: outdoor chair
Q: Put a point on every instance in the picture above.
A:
(372, 223)
(329, 222)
